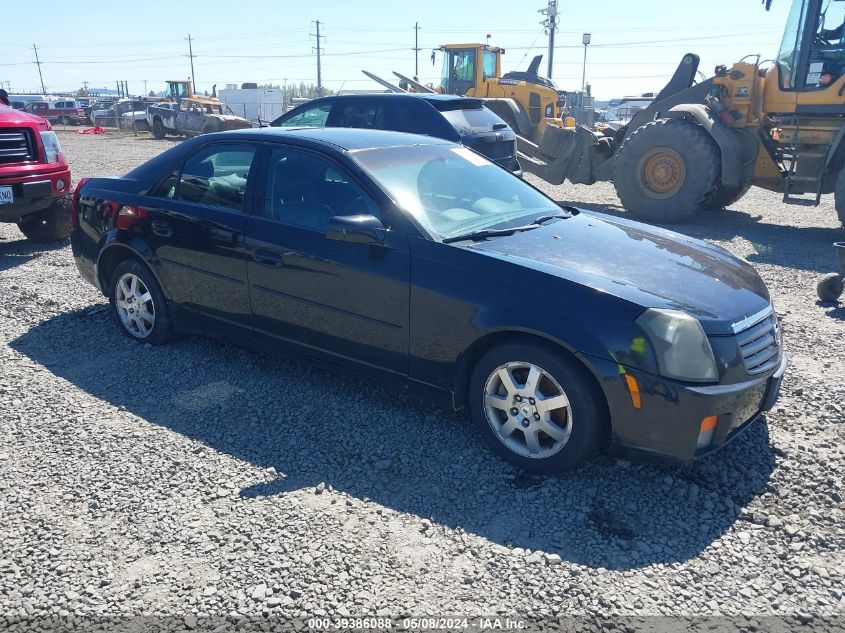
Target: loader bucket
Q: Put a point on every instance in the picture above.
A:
(563, 153)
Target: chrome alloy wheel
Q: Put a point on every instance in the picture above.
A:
(528, 410)
(135, 305)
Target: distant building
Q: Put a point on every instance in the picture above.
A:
(254, 104)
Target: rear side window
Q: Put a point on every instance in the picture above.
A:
(414, 119)
(312, 117)
(217, 176)
(474, 118)
(362, 115)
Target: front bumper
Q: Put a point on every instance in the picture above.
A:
(665, 428)
(33, 193)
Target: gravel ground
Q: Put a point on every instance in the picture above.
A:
(201, 479)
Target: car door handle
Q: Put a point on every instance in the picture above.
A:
(268, 258)
(162, 228)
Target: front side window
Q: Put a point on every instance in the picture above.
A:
(217, 176)
(827, 55)
(311, 117)
(450, 190)
(789, 54)
(488, 67)
(306, 190)
(362, 115)
(458, 70)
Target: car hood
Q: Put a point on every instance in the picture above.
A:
(646, 265)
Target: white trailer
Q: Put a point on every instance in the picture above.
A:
(254, 104)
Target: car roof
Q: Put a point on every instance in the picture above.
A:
(426, 96)
(344, 138)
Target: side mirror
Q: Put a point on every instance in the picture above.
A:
(357, 229)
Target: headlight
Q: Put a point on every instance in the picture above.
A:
(681, 346)
(52, 148)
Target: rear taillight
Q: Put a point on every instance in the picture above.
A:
(74, 205)
(127, 217)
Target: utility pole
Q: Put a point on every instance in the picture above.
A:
(550, 25)
(416, 50)
(38, 63)
(145, 87)
(319, 71)
(191, 55)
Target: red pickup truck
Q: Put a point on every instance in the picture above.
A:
(34, 177)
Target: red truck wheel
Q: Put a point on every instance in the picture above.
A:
(52, 225)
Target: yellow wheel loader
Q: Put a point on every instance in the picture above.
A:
(701, 146)
(698, 145)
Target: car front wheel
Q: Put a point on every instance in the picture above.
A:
(537, 408)
(52, 225)
(138, 303)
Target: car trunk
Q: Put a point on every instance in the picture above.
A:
(481, 130)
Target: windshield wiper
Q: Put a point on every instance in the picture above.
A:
(546, 218)
(485, 233)
(480, 235)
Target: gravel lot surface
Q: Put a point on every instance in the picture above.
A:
(201, 479)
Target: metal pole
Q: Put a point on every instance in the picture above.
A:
(38, 63)
(191, 55)
(585, 40)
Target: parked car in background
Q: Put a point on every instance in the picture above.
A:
(34, 177)
(416, 261)
(112, 113)
(190, 117)
(66, 112)
(18, 105)
(460, 119)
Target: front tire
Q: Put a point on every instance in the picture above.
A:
(667, 170)
(158, 129)
(52, 225)
(537, 408)
(138, 304)
(723, 197)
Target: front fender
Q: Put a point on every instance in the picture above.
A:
(729, 147)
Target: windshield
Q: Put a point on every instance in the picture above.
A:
(450, 190)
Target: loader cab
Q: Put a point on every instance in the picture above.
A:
(467, 66)
(178, 90)
(809, 70)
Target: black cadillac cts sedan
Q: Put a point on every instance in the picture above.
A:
(416, 261)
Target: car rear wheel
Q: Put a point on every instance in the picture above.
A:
(536, 408)
(138, 303)
(52, 225)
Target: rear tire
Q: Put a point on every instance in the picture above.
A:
(723, 197)
(52, 225)
(839, 196)
(563, 401)
(667, 170)
(158, 129)
(138, 304)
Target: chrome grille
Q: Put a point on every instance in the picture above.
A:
(16, 146)
(759, 343)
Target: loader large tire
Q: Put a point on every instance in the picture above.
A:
(667, 170)
(723, 197)
(839, 196)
